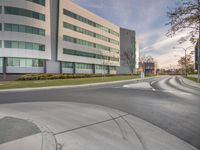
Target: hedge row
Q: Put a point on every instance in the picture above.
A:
(56, 76)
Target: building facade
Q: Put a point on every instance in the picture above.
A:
(129, 52)
(55, 36)
(24, 36)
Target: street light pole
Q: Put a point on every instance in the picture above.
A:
(185, 49)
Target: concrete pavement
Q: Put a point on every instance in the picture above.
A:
(76, 126)
(170, 104)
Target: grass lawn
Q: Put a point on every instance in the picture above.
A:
(61, 82)
(193, 79)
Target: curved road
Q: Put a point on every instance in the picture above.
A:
(165, 102)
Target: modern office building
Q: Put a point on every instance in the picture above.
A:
(129, 52)
(24, 36)
(55, 36)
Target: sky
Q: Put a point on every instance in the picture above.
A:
(148, 19)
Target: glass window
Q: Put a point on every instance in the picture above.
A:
(35, 63)
(24, 12)
(7, 44)
(67, 65)
(41, 47)
(15, 28)
(22, 45)
(41, 2)
(15, 44)
(16, 62)
(40, 63)
(22, 28)
(42, 32)
(8, 27)
(29, 45)
(29, 63)
(35, 46)
(29, 30)
(22, 62)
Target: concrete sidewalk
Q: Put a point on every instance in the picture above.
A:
(190, 82)
(77, 126)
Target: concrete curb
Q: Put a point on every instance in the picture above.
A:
(73, 86)
(189, 82)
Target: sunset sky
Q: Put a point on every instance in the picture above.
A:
(148, 19)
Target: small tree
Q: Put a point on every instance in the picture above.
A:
(186, 64)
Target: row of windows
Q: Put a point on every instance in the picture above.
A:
(78, 41)
(24, 45)
(87, 66)
(41, 2)
(78, 53)
(89, 55)
(24, 29)
(24, 12)
(0, 44)
(83, 66)
(68, 65)
(0, 27)
(87, 32)
(101, 67)
(0, 9)
(25, 62)
(89, 22)
(87, 43)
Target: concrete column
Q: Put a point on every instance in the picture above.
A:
(61, 67)
(74, 68)
(94, 68)
(4, 67)
(45, 66)
(108, 69)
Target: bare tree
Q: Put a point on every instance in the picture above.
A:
(129, 56)
(147, 59)
(186, 15)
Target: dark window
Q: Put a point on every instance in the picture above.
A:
(41, 2)
(24, 12)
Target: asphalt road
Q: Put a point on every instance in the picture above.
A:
(165, 102)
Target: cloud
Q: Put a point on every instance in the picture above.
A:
(148, 18)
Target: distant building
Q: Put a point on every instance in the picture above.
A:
(148, 68)
(129, 52)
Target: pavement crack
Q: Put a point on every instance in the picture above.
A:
(100, 122)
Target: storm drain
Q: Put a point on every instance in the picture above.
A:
(14, 128)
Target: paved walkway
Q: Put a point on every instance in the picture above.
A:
(76, 126)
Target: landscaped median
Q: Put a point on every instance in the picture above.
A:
(193, 79)
(30, 82)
